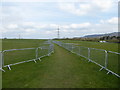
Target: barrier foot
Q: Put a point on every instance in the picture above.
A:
(9, 67)
(40, 59)
(89, 61)
(108, 72)
(101, 69)
(52, 51)
(48, 54)
(35, 61)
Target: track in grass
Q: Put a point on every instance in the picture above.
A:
(61, 70)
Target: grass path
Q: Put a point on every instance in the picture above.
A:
(60, 70)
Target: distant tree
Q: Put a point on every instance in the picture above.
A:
(102, 38)
(5, 38)
(113, 37)
(118, 37)
(107, 37)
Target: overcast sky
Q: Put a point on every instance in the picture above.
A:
(41, 18)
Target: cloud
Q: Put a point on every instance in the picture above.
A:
(88, 7)
(103, 5)
(41, 20)
(12, 26)
(44, 0)
(83, 25)
(28, 24)
(29, 30)
(27, 1)
(82, 9)
(37, 30)
(113, 20)
(12, 14)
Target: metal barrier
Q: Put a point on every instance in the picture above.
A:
(107, 60)
(1, 61)
(18, 56)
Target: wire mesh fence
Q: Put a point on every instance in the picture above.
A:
(100, 58)
(83, 51)
(107, 60)
(113, 62)
(18, 56)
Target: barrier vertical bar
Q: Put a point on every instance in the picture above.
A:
(49, 51)
(79, 51)
(2, 58)
(72, 49)
(106, 58)
(89, 54)
(36, 54)
(1, 62)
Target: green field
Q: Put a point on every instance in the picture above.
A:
(60, 70)
(22, 43)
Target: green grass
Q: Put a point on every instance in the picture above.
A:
(22, 43)
(60, 70)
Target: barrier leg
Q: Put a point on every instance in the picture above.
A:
(40, 59)
(101, 69)
(9, 67)
(2, 70)
(35, 61)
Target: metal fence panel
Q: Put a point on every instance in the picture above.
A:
(97, 56)
(113, 62)
(42, 51)
(16, 56)
(108, 60)
(75, 49)
(84, 51)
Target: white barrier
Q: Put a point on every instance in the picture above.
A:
(102, 59)
(46, 50)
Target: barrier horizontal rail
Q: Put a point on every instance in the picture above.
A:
(48, 50)
(102, 59)
(17, 49)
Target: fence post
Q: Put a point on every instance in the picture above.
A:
(89, 54)
(1, 62)
(53, 48)
(49, 50)
(36, 53)
(0, 59)
(69, 47)
(72, 49)
(2, 53)
(106, 58)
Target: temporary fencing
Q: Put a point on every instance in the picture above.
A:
(17, 56)
(107, 60)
